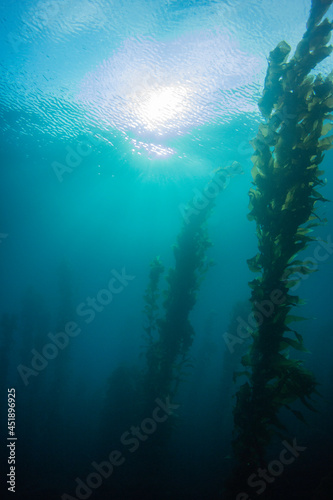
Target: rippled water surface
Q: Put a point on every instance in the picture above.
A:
(145, 71)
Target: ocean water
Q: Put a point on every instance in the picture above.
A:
(114, 117)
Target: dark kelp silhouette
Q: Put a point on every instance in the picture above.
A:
(170, 333)
(289, 147)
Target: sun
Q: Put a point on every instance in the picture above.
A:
(162, 108)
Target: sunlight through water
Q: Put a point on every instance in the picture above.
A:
(162, 107)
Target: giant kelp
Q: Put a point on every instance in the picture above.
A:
(169, 330)
(288, 150)
(173, 332)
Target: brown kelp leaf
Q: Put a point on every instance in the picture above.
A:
(295, 344)
(326, 143)
(326, 128)
(291, 318)
(254, 264)
(298, 415)
(236, 375)
(318, 195)
(318, 10)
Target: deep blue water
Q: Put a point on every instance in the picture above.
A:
(113, 116)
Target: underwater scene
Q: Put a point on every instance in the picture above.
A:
(166, 250)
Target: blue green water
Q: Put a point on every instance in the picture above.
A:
(113, 116)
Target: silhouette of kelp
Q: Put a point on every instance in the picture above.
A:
(169, 332)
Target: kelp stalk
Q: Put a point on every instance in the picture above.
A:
(289, 147)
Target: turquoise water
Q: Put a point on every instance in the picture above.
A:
(113, 116)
